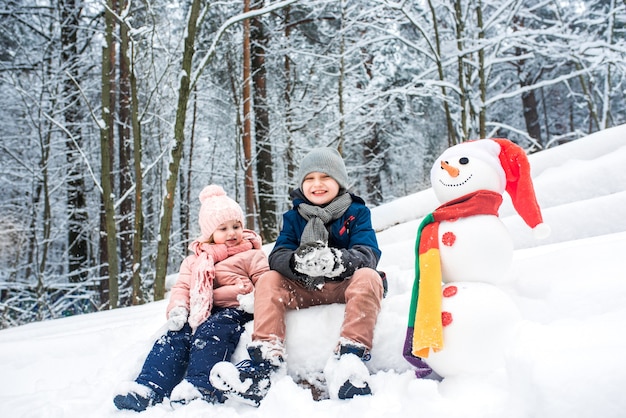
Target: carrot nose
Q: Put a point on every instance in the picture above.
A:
(453, 171)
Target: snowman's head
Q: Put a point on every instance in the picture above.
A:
(466, 168)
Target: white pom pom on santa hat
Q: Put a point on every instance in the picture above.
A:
(542, 231)
(513, 161)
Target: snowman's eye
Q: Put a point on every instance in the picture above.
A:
(464, 160)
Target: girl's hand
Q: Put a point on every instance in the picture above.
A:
(246, 302)
(177, 318)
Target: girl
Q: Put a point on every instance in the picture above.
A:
(209, 305)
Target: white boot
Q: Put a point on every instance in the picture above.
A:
(346, 374)
(249, 380)
(183, 394)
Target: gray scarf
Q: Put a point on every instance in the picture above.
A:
(318, 217)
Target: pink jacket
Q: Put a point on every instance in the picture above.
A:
(235, 275)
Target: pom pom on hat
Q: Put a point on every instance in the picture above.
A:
(513, 161)
(216, 209)
(324, 160)
(542, 231)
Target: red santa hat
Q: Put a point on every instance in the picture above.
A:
(518, 182)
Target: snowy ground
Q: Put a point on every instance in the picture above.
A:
(567, 360)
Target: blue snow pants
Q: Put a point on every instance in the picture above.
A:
(179, 355)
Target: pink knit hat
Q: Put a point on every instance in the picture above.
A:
(216, 209)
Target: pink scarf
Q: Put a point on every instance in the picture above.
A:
(203, 273)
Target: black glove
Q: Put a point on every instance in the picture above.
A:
(308, 248)
(311, 283)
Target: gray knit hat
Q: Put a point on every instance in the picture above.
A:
(324, 160)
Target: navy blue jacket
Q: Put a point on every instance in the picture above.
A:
(352, 234)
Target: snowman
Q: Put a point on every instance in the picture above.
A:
(465, 326)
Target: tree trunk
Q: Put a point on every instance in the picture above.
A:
(482, 113)
(463, 97)
(587, 92)
(77, 241)
(177, 152)
(264, 165)
(247, 122)
(372, 147)
(290, 151)
(234, 83)
(185, 180)
(342, 74)
(452, 140)
(47, 207)
(106, 140)
(125, 164)
(137, 291)
(531, 113)
(605, 117)
(529, 101)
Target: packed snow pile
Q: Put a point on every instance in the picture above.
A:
(566, 357)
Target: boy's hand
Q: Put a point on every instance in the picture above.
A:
(311, 258)
(312, 283)
(316, 259)
(177, 318)
(308, 248)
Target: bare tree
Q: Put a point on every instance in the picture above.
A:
(137, 296)
(125, 170)
(246, 138)
(264, 164)
(78, 254)
(106, 141)
(137, 292)
(162, 256)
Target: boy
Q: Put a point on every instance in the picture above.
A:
(326, 253)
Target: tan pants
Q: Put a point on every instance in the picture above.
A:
(275, 294)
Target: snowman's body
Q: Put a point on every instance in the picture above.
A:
(482, 323)
(475, 249)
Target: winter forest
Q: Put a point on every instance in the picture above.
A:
(115, 114)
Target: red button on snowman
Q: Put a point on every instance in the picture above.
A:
(465, 326)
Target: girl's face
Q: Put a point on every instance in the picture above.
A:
(229, 233)
(319, 188)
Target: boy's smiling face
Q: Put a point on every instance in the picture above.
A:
(319, 188)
